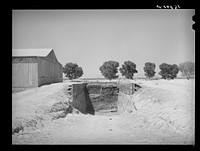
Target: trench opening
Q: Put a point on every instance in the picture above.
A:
(99, 97)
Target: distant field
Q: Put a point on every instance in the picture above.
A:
(99, 79)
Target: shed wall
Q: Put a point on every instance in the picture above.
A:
(52, 57)
(33, 71)
(24, 74)
(49, 72)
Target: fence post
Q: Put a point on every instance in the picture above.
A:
(132, 88)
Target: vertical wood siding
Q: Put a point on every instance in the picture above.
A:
(33, 74)
(24, 75)
(35, 71)
(49, 72)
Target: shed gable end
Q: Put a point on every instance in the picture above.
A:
(51, 56)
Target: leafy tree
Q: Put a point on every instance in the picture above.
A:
(187, 69)
(128, 69)
(149, 69)
(109, 69)
(174, 71)
(168, 71)
(165, 70)
(72, 71)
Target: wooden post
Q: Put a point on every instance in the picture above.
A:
(132, 88)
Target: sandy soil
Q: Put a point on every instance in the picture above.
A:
(161, 112)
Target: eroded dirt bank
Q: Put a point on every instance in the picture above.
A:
(162, 112)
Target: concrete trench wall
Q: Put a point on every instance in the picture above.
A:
(129, 88)
(91, 98)
(81, 99)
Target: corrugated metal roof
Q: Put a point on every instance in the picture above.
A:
(31, 52)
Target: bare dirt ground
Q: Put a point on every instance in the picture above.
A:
(161, 112)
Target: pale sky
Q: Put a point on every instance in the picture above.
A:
(91, 37)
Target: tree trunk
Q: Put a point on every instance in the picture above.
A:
(188, 76)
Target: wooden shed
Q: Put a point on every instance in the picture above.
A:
(34, 67)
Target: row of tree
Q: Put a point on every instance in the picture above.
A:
(109, 70)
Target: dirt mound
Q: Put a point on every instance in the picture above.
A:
(161, 112)
(31, 112)
(55, 111)
(161, 109)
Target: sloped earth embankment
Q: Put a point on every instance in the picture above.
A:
(158, 113)
(33, 109)
(166, 111)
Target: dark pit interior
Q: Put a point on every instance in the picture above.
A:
(104, 96)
